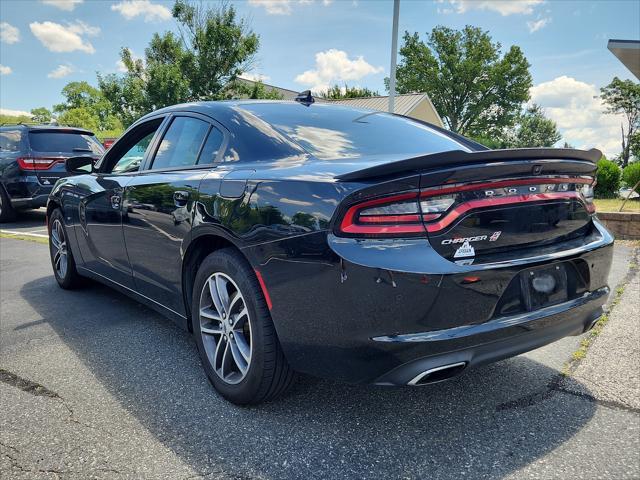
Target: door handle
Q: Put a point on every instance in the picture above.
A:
(180, 198)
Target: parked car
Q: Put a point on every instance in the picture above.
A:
(626, 192)
(337, 242)
(32, 159)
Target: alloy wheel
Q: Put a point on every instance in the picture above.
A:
(225, 326)
(59, 248)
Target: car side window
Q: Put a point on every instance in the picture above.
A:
(128, 153)
(131, 161)
(181, 143)
(10, 140)
(211, 147)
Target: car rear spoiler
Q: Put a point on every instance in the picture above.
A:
(455, 158)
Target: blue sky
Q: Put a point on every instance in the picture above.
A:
(313, 43)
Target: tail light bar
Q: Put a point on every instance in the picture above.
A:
(433, 209)
(38, 163)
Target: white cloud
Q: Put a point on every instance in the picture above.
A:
(579, 114)
(283, 7)
(61, 71)
(14, 113)
(273, 7)
(121, 67)
(335, 66)
(8, 33)
(256, 77)
(59, 38)
(67, 5)
(152, 12)
(503, 7)
(536, 25)
(4, 70)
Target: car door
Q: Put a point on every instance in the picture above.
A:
(100, 237)
(159, 205)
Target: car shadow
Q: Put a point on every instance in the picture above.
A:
(486, 423)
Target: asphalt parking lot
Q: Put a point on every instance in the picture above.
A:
(94, 385)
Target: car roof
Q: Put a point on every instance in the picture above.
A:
(221, 108)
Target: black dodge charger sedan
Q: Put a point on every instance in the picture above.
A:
(337, 242)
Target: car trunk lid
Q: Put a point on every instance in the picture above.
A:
(476, 203)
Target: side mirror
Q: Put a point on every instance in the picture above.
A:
(79, 165)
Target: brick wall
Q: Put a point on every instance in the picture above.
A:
(624, 226)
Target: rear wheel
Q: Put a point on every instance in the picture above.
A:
(7, 212)
(234, 332)
(64, 266)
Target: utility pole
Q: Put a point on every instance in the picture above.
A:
(394, 55)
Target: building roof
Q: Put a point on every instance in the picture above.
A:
(628, 52)
(403, 104)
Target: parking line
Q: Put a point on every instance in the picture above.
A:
(26, 234)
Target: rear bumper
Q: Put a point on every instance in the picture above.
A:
(25, 191)
(378, 311)
(30, 202)
(498, 339)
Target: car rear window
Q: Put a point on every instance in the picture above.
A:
(64, 142)
(10, 140)
(333, 132)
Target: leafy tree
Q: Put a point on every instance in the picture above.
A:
(533, 130)
(201, 63)
(607, 179)
(41, 115)
(631, 175)
(15, 119)
(623, 97)
(337, 92)
(634, 145)
(475, 89)
(243, 89)
(86, 107)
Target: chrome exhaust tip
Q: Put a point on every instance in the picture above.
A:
(437, 374)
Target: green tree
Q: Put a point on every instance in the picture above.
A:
(533, 129)
(241, 88)
(634, 146)
(631, 175)
(41, 115)
(337, 92)
(476, 90)
(201, 63)
(86, 107)
(607, 179)
(623, 97)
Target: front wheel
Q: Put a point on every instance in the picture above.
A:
(234, 332)
(64, 266)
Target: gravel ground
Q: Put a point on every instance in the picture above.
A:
(94, 385)
(611, 370)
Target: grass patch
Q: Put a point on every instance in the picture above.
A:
(614, 204)
(28, 238)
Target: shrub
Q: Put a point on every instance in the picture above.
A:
(608, 179)
(631, 175)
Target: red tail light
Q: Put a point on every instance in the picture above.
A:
(37, 163)
(433, 209)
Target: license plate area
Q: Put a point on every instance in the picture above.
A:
(544, 286)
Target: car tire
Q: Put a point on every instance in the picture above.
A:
(249, 368)
(7, 212)
(62, 261)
